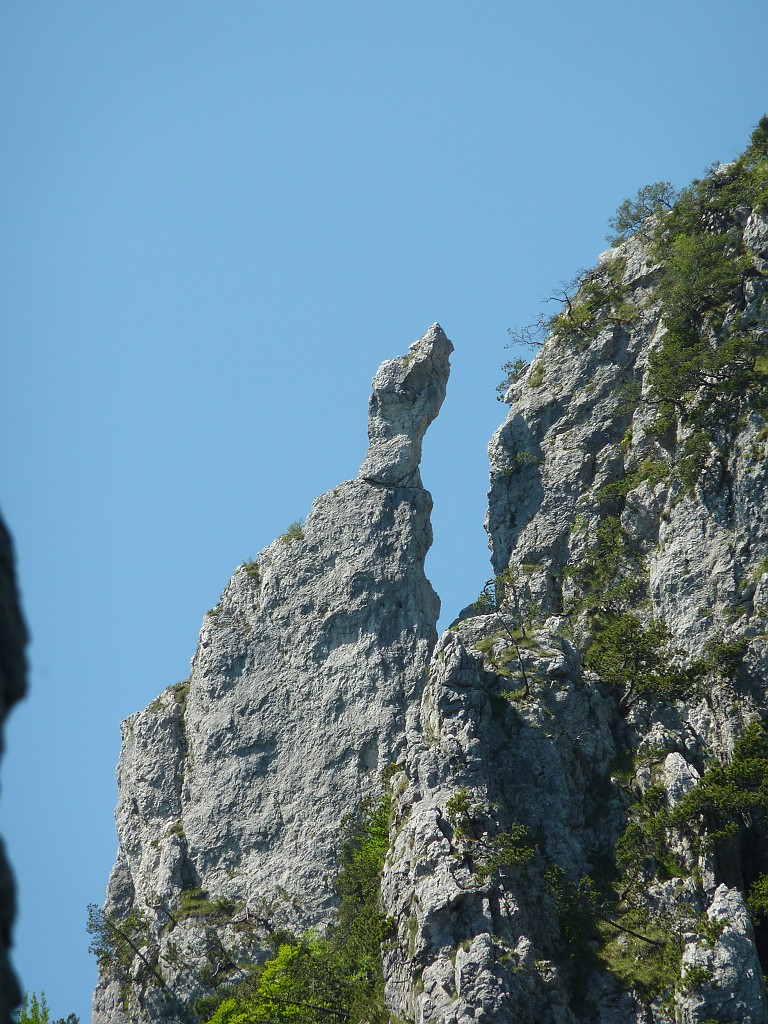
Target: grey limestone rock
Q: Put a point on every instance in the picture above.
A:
(406, 397)
(736, 989)
(517, 723)
(13, 676)
(233, 784)
(469, 948)
(548, 860)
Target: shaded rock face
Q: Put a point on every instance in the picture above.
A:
(523, 725)
(13, 671)
(475, 951)
(235, 782)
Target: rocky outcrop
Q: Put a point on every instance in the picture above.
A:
(233, 784)
(407, 395)
(13, 674)
(579, 765)
(470, 950)
(551, 860)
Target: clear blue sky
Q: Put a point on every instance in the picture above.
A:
(217, 220)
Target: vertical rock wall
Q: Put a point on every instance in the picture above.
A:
(528, 730)
(233, 784)
(580, 806)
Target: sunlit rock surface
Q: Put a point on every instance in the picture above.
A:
(513, 721)
(541, 869)
(237, 781)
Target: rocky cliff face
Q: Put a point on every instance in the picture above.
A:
(13, 674)
(233, 784)
(579, 766)
(579, 824)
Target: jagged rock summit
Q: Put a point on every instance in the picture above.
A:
(575, 826)
(580, 833)
(233, 784)
(407, 395)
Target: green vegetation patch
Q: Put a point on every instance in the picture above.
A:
(711, 365)
(653, 470)
(607, 918)
(294, 532)
(252, 567)
(316, 979)
(486, 855)
(195, 902)
(640, 660)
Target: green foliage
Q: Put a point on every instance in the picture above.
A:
(703, 368)
(696, 451)
(361, 928)
(728, 795)
(710, 366)
(33, 1010)
(726, 657)
(653, 470)
(629, 394)
(536, 378)
(706, 369)
(611, 574)
(650, 201)
(252, 567)
(484, 602)
(489, 855)
(757, 900)
(118, 944)
(641, 941)
(298, 984)
(508, 597)
(608, 924)
(610, 917)
(194, 902)
(724, 802)
(593, 300)
(648, 962)
(294, 532)
(575, 904)
(315, 979)
(758, 143)
(513, 370)
(639, 660)
(521, 460)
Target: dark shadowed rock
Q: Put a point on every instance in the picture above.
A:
(13, 670)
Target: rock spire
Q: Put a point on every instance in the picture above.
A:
(234, 783)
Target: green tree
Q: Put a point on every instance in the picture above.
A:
(758, 144)
(33, 1010)
(513, 370)
(641, 660)
(489, 855)
(299, 984)
(320, 979)
(631, 215)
